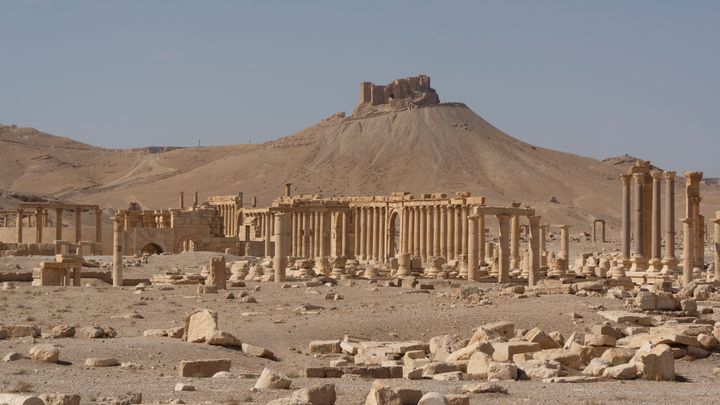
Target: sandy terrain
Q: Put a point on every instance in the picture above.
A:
(385, 314)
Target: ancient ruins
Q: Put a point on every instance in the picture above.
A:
(400, 298)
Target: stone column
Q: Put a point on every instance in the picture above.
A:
(692, 210)
(216, 276)
(58, 223)
(669, 261)
(565, 246)
(534, 255)
(343, 237)
(362, 243)
(412, 245)
(78, 225)
(472, 247)
(371, 234)
(195, 199)
(182, 200)
(268, 235)
(376, 234)
(306, 236)
(639, 259)
(423, 234)
(383, 235)
(98, 226)
(687, 255)
(451, 233)
(317, 234)
(405, 233)
(515, 242)
(436, 231)
(464, 230)
(656, 235)
(699, 243)
(429, 233)
(625, 230)
(442, 213)
(543, 248)
(323, 243)
(280, 260)
(504, 253)
(117, 269)
(481, 239)
(458, 233)
(38, 225)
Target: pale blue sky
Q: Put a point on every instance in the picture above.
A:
(598, 78)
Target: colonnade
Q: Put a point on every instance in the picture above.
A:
(41, 220)
(435, 230)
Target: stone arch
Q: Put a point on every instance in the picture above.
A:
(188, 244)
(152, 248)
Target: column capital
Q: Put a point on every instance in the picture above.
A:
(534, 219)
(657, 175)
(639, 178)
(565, 227)
(625, 179)
(693, 177)
(669, 174)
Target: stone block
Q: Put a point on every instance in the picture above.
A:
(504, 351)
(202, 368)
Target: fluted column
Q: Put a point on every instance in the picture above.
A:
(625, 230)
(688, 252)
(504, 253)
(639, 258)
(656, 234)
(472, 247)
(515, 242)
(534, 257)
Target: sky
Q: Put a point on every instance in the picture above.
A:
(596, 78)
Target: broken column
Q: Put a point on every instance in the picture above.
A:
(670, 262)
(182, 200)
(216, 275)
(692, 211)
(688, 251)
(280, 260)
(117, 271)
(38, 225)
(58, 223)
(78, 225)
(565, 247)
(514, 242)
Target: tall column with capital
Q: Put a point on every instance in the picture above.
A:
(534, 255)
(344, 251)
(481, 239)
(625, 230)
(639, 258)
(323, 242)
(464, 230)
(417, 251)
(692, 211)
(376, 233)
(307, 253)
(687, 256)
(436, 230)
(504, 248)
(412, 241)
(458, 232)
(472, 247)
(429, 244)
(656, 235)
(515, 242)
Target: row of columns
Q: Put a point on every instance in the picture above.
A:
(41, 218)
(639, 259)
(429, 231)
(309, 233)
(371, 241)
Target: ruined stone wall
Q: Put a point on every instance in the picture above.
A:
(404, 93)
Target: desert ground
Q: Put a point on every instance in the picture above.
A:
(371, 310)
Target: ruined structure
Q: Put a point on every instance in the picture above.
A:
(409, 92)
(47, 228)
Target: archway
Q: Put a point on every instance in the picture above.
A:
(152, 249)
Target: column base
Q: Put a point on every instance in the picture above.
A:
(655, 265)
(670, 266)
(639, 263)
